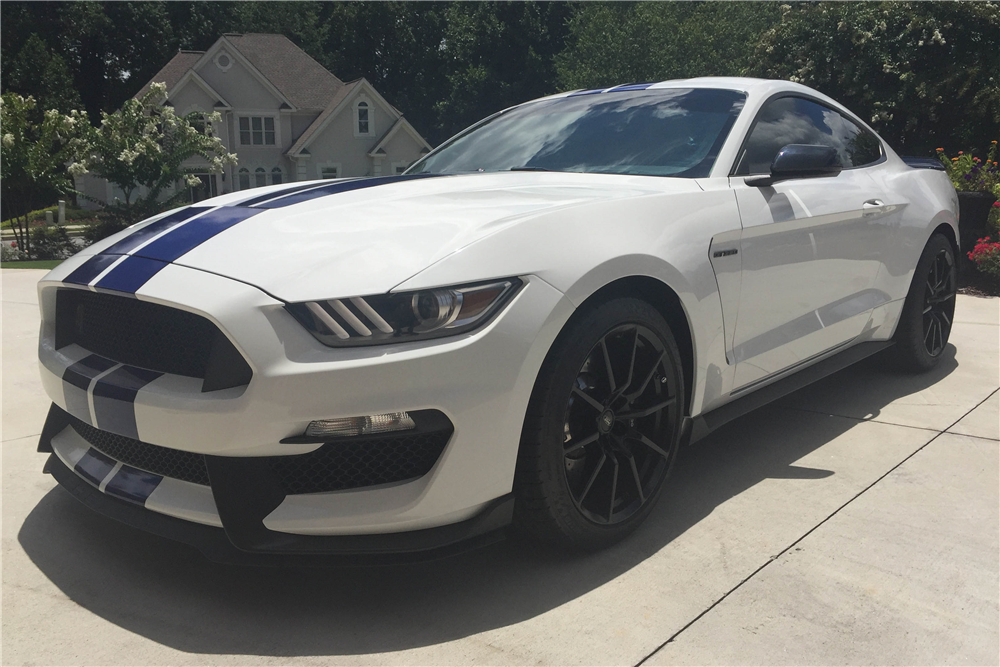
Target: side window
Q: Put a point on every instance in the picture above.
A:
(793, 120)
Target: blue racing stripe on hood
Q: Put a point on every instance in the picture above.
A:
(189, 236)
(336, 188)
(90, 269)
(132, 241)
(183, 231)
(131, 274)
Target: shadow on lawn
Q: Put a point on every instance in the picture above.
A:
(168, 593)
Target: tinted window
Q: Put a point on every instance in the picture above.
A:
(667, 132)
(793, 120)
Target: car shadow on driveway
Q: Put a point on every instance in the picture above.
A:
(170, 594)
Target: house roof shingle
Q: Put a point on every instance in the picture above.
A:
(172, 72)
(306, 83)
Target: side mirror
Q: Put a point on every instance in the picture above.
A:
(800, 161)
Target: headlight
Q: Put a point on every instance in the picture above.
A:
(405, 316)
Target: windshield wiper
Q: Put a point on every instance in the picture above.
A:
(531, 169)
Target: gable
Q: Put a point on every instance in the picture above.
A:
(234, 81)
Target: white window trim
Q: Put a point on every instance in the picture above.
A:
(321, 165)
(250, 181)
(258, 114)
(224, 68)
(371, 116)
(401, 163)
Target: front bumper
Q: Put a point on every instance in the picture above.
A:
(481, 382)
(237, 545)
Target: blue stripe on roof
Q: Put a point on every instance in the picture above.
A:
(185, 238)
(142, 235)
(90, 269)
(131, 274)
(631, 86)
(340, 186)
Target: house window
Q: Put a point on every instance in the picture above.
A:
(244, 174)
(328, 170)
(276, 176)
(257, 130)
(362, 118)
(260, 176)
(399, 167)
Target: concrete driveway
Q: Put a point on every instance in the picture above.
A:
(854, 523)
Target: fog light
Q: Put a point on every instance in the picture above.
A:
(350, 426)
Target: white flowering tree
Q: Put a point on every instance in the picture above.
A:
(143, 147)
(36, 158)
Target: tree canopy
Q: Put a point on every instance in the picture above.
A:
(925, 72)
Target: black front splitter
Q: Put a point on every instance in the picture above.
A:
(299, 550)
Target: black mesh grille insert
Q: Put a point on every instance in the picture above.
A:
(149, 335)
(355, 464)
(175, 463)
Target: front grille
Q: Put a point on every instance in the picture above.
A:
(149, 335)
(355, 463)
(351, 465)
(164, 461)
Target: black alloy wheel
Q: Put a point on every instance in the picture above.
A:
(939, 303)
(929, 310)
(621, 407)
(602, 428)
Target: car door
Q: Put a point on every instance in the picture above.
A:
(809, 246)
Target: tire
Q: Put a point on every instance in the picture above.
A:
(598, 444)
(929, 310)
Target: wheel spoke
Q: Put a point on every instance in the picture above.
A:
(635, 476)
(607, 364)
(652, 445)
(575, 445)
(631, 363)
(593, 476)
(645, 412)
(590, 400)
(652, 371)
(614, 488)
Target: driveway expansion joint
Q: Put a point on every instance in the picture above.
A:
(814, 528)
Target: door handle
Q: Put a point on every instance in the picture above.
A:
(872, 203)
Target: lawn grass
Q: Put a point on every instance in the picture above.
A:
(32, 264)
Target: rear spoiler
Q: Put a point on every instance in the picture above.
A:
(923, 163)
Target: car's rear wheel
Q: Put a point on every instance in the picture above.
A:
(926, 321)
(602, 428)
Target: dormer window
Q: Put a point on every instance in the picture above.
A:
(364, 121)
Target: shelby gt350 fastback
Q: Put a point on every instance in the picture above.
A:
(521, 329)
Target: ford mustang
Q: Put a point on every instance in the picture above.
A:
(520, 330)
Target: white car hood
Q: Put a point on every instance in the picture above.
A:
(369, 240)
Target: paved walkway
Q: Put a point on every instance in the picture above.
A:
(854, 523)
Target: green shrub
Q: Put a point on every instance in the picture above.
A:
(73, 213)
(51, 243)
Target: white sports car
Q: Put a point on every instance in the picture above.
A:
(523, 328)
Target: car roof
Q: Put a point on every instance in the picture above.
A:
(752, 87)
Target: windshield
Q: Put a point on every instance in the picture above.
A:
(667, 132)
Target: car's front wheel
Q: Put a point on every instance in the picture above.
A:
(929, 310)
(602, 427)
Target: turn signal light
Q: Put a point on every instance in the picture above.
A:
(352, 426)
